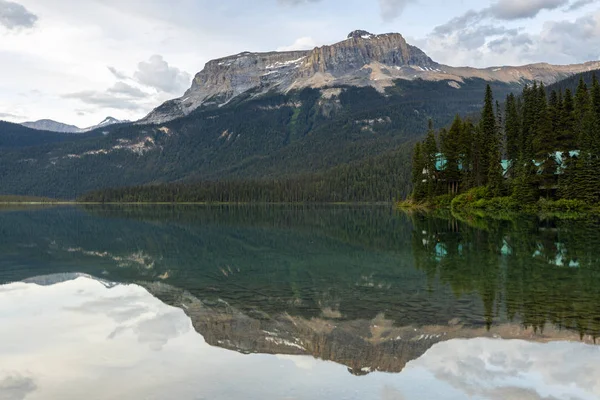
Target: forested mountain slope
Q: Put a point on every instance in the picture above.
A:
(269, 136)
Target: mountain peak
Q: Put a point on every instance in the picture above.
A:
(106, 122)
(109, 120)
(360, 34)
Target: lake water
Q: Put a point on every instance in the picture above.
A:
(295, 303)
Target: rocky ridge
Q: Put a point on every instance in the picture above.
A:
(363, 59)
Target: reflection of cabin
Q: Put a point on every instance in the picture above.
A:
(558, 256)
(559, 157)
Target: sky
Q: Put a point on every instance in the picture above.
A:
(78, 61)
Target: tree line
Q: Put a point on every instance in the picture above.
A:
(541, 144)
(377, 179)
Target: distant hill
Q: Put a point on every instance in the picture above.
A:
(54, 126)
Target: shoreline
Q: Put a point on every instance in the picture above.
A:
(206, 203)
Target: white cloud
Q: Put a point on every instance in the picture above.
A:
(117, 74)
(9, 116)
(392, 9)
(158, 74)
(104, 99)
(303, 43)
(476, 38)
(520, 9)
(296, 2)
(122, 88)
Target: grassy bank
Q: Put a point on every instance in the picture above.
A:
(480, 202)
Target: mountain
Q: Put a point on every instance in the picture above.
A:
(108, 121)
(332, 111)
(363, 59)
(53, 126)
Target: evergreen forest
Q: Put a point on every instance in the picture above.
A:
(543, 145)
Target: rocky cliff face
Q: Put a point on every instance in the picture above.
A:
(363, 59)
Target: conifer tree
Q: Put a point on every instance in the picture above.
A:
(511, 128)
(488, 134)
(450, 146)
(430, 151)
(418, 166)
(586, 175)
(479, 157)
(566, 130)
(524, 184)
(466, 155)
(554, 107)
(544, 144)
(495, 177)
(596, 95)
(582, 103)
(529, 119)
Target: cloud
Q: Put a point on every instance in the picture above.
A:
(296, 2)
(130, 96)
(14, 16)
(16, 387)
(123, 88)
(500, 10)
(477, 38)
(156, 73)
(8, 115)
(520, 9)
(106, 99)
(458, 23)
(576, 5)
(303, 43)
(117, 74)
(514, 369)
(392, 9)
(559, 42)
(571, 40)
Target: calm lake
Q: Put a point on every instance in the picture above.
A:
(257, 302)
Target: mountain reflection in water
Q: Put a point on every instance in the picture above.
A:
(96, 340)
(362, 286)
